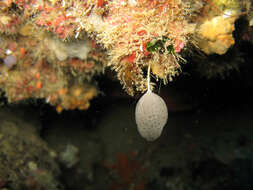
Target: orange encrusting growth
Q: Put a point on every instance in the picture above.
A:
(39, 85)
(22, 52)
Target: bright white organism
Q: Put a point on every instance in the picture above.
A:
(151, 114)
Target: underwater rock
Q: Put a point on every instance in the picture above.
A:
(79, 151)
(26, 162)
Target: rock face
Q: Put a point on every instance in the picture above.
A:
(26, 161)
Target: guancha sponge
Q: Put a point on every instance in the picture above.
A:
(151, 115)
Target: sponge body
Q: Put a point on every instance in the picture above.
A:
(151, 115)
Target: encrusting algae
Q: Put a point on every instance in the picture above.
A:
(60, 45)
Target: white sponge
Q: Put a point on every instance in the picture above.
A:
(151, 115)
(64, 50)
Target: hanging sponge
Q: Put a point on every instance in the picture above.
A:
(151, 115)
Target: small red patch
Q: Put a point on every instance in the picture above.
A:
(144, 47)
(142, 32)
(100, 3)
(22, 52)
(132, 57)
